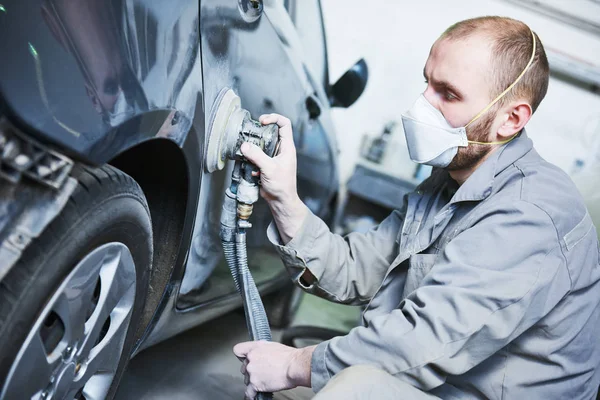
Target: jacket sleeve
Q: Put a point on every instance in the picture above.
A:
(347, 269)
(492, 282)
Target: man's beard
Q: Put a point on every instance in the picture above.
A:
(469, 156)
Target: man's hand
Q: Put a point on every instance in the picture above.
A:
(271, 366)
(278, 178)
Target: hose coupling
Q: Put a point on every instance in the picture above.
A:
(244, 211)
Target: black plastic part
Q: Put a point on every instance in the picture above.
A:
(350, 86)
(313, 107)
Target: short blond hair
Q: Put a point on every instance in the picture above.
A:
(512, 45)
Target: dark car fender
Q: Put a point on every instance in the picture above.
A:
(116, 83)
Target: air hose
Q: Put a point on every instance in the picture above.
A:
(230, 125)
(237, 208)
(256, 316)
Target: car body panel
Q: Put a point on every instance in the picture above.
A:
(240, 55)
(85, 76)
(93, 79)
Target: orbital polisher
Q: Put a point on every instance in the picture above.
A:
(230, 125)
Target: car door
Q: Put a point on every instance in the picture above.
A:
(258, 55)
(316, 142)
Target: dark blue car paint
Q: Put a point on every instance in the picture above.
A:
(94, 78)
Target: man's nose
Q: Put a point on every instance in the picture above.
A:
(432, 97)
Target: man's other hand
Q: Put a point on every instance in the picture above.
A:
(272, 367)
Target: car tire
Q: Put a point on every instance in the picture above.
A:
(107, 207)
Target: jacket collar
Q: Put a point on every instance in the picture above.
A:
(480, 184)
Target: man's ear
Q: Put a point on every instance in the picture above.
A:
(517, 115)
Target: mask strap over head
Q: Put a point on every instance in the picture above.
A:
(501, 95)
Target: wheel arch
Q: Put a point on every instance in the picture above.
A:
(169, 182)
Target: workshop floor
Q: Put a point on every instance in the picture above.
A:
(199, 363)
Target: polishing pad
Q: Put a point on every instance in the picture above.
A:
(226, 118)
(230, 125)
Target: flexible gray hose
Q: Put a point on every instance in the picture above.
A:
(229, 250)
(256, 316)
(236, 256)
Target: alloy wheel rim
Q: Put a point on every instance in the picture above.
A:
(74, 347)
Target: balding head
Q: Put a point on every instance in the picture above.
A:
(469, 66)
(511, 46)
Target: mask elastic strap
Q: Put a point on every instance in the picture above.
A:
(497, 99)
(492, 143)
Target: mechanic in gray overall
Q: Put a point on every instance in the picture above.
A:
(485, 283)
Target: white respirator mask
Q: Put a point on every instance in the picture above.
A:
(432, 140)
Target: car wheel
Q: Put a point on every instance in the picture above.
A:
(69, 308)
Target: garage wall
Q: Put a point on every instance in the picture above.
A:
(395, 37)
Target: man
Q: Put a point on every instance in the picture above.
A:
(485, 283)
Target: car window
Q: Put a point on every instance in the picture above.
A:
(307, 18)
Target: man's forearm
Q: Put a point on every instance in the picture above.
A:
(288, 217)
(347, 270)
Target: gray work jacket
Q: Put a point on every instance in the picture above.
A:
(487, 290)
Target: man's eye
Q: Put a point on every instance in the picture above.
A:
(449, 96)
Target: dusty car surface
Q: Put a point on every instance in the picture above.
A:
(109, 222)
